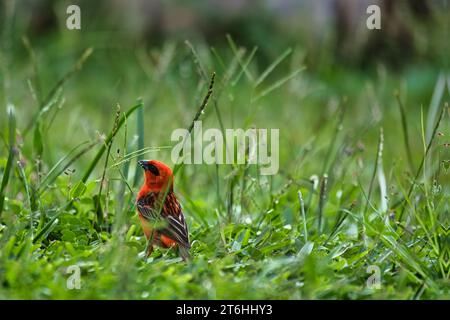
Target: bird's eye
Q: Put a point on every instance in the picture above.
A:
(153, 169)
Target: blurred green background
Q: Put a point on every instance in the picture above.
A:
(131, 39)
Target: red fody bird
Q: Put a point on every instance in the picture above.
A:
(159, 210)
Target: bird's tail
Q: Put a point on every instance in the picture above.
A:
(184, 253)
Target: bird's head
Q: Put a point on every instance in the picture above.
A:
(158, 176)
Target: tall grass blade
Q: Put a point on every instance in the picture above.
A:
(381, 176)
(433, 111)
(375, 169)
(245, 66)
(201, 70)
(322, 200)
(272, 66)
(302, 210)
(36, 83)
(69, 74)
(419, 170)
(278, 84)
(27, 191)
(405, 131)
(237, 54)
(200, 111)
(9, 162)
(114, 131)
(57, 170)
(140, 142)
(102, 150)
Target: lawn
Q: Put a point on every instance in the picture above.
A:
(359, 208)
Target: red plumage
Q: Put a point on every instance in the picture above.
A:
(159, 210)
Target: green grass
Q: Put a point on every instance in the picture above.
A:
(360, 183)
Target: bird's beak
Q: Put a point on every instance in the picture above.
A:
(142, 163)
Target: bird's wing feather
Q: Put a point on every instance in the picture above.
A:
(147, 206)
(171, 213)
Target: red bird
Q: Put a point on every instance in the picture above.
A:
(159, 210)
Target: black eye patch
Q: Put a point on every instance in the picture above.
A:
(152, 169)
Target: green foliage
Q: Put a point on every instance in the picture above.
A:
(363, 200)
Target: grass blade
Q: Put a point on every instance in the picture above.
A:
(375, 169)
(322, 199)
(245, 66)
(381, 176)
(237, 54)
(419, 170)
(99, 154)
(140, 141)
(434, 105)
(27, 191)
(405, 131)
(76, 67)
(108, 146)
(278, 84)
(57, 164)
(200, 111)
(302, 209)
(274, 64)
(12, 140)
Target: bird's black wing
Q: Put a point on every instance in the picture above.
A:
(170, 214)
